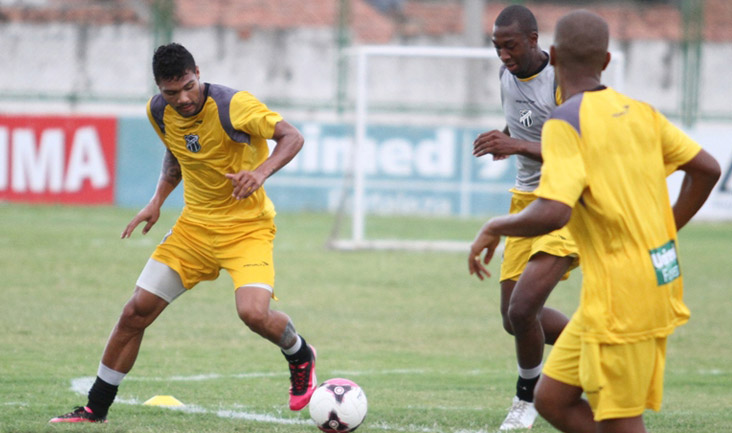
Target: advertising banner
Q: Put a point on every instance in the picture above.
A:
(415, 170)
(58, 159)
(407, 170)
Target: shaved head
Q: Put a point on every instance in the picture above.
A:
(581, 40)
(520, 15)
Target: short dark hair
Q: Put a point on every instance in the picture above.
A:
(581, 39)
(518, 14)
(172, 61)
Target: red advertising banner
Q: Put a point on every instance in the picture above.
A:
(57, 159)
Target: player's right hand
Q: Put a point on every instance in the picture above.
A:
(149, 213)
(486, 241)
(494, 142)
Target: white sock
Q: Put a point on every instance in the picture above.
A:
(295, 347)
(530, 373)
(110, 376)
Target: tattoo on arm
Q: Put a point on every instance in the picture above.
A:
(171, 169)
(289, 336)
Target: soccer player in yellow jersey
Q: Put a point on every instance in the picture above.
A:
(606, 159)
(531, 267)
(216, 141)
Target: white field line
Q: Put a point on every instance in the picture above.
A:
(81, 386)
(201, 377)
(215, 376)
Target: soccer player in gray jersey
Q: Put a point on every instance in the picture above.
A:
(531, 267)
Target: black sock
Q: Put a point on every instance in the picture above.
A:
(525, 388)
(302, 355)
(101, 396)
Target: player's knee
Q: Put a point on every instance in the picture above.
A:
(542, 403)
(542, 406)
(507, 324)
(549, 405)
(133, 319)
(140, 311)
(548, 409)
(504, 317)
(255, 319)
(521, 317)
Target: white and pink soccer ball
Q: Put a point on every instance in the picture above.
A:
(338, 406)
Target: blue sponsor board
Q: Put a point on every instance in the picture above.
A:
(414, 170)
(139, 161)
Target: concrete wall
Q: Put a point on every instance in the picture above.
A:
(81, 69)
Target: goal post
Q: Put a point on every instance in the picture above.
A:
(359, 210)
(356, 182)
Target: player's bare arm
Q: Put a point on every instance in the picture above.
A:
(289, 142)
(501, 145)
(541, 217)
(701, 174)
(170, 173)
(170, 177)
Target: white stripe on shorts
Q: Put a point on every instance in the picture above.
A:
(260, 285)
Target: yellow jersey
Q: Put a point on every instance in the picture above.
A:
(228, 135)
(607, 156)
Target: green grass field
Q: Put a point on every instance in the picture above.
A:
(420, 335)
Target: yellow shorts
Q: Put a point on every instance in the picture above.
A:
(619, 380)
(197, 252)
(517, 251)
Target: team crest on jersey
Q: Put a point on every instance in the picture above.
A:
(192, 143)
(525, 118)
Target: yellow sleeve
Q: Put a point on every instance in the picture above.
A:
(250, 115)
(678, 148)
(563, 175)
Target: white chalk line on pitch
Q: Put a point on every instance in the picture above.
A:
(81, 386)
(215, 376)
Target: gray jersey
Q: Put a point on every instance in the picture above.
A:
(527, 104)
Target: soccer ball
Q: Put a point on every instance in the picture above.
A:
(338, 406)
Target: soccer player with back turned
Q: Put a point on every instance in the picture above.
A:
(531, 267)
(216, 142)
(606, 159)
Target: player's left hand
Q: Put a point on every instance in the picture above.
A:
(245, 183)
(484, 240)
